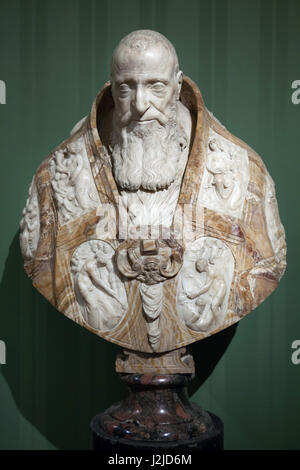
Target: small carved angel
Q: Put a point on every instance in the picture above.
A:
(222, 176)
(210, 296)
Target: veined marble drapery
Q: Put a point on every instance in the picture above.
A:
(220, 254)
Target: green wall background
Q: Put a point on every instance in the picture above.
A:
(54, 57)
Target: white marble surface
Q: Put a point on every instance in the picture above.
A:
(226, 176)
(99, 291)
(72, 182)
(274, 226)
(204, 284)
(30, 224)
(152, 302)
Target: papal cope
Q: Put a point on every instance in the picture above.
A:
(152, 225)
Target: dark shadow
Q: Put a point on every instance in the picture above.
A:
(207, 353)
(60, 374)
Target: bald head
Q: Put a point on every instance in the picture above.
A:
(141, 45)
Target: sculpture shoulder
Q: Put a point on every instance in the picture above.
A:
(79, 125)
(237, 185)
(67, 173)
(239, 159)
(75, 140)
(216, 126)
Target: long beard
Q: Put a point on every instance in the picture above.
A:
(145, 157)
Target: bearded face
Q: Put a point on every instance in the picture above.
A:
(145, 142)
(145, 156)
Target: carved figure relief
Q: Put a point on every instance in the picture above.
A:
(204, 284)
(72, 182)
(30, 224)
(274, 226)
(99, 291)
(225, 178)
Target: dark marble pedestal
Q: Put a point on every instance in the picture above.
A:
(156, 416)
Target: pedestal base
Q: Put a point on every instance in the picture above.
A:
(156, 416)
(213, 440)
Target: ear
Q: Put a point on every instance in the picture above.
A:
(179, 84)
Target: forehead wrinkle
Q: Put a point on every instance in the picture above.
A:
(144, 77)
(134, 61)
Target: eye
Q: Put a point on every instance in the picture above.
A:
(124, 89)
(158, 88)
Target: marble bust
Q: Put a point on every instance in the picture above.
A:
(152, 225)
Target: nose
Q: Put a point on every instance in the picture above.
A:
(141, 100)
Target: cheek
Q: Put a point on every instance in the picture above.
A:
(123, 105)
(164, 103)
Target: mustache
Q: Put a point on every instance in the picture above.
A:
(151, 114)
